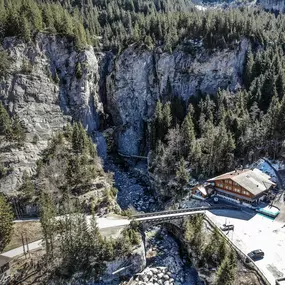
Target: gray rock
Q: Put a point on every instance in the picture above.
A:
(166, 277)
(160, 275)
(140, 77)
(43, 105)
(149, 273)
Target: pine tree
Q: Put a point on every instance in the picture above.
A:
(25, 32)
(18, 132)
(47, 219)
(4, 62)
(280, 83)
(188, 133)
(167, 117)
(78, 70)
(182, 175)
(281, 118)
(79, 138)
(6, 222)
(271, 119)
(28, 187)
(226, 273)
(249, 69)
(5, 122)
(268, 90)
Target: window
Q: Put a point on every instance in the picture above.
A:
(230, 188)
(220, 185)
(237, 190)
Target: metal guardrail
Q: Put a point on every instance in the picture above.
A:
(170, 212)
(239, 251)
(279, 279)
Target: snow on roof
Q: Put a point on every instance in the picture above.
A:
(202, 189)
(253, 180)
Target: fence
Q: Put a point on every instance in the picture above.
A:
(280, 279)
(239, 251)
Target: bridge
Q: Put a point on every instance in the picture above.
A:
(131, 156)
(177, 214)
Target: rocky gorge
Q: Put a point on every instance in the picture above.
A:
(50, 83)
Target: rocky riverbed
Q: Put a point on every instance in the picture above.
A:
(165, 265)
(134, 191)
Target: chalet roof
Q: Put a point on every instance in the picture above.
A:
(253, 180)
(4, 260)
(202, 189)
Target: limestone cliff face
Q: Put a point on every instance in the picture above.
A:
(132, 92)
(50, 83)
(139, 79)
(273, 5)
(44, 105)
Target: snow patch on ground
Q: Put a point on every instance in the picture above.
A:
(252, 231)
(266, 168)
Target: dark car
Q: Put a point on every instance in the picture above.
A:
(227, 227)
(256, 254)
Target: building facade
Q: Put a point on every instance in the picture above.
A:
(247, 185)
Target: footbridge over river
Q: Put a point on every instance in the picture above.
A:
(169, 215)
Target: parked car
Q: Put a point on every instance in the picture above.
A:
(256, 254)
(227, 227)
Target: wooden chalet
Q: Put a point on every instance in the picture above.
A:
(246, 185)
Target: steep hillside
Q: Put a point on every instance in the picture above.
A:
(48, 84)
(140, 78)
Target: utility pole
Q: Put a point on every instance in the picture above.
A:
(23, 243)
(28, 250)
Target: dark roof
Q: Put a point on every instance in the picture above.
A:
(4, 260)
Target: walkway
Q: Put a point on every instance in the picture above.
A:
(19, 250)
(111, 222)
(169, 216)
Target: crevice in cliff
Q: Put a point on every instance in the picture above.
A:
(105, 69)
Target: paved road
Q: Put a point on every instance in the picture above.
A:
(103, 223)
(254, 232)
(19, 250)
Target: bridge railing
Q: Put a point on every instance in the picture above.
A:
(131, 156)
(277, 282)
(162, 213)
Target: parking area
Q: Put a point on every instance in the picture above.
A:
(254, 231)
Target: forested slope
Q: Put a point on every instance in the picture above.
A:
(221, 71)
